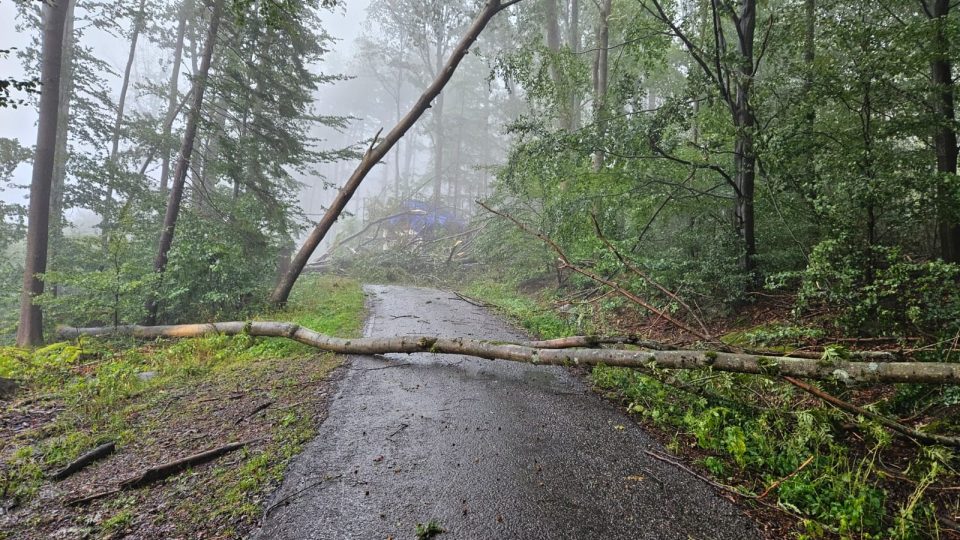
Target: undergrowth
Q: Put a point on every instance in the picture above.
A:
(534, 314)
(109, 390)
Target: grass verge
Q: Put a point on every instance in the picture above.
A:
(534, 313)
(161, 401)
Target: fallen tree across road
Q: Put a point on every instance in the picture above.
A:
(842, 370)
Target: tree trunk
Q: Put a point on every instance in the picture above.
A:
(113, 167)
(186, 150)
(945, 137)
(397, 177)
(203, 189)
(63, 130)
(842, 370)
(173, 89)
(574, 43)
(377, 151)
(552, 38)
(30, 330)
(552, 34)
(809, 50)
(600, 78)
(744, 153)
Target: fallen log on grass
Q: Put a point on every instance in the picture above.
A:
(842, 370)
(78, 464)
(158, 472)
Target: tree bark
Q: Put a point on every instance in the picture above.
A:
(574, 43)
(809, 51)
(438, 152)
(945, 137)
(172, 92)
(186, 150)
(744, 154)
(63, 130)
(30, 329)
(377, 151)
(552, 35)
(843, 371)
(600, 78)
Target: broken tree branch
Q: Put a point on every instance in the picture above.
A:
(643, 275)
(714, 483)
(78, 464)
(842, 370)
(883, 420)
(170, 468)
(565, 262)
(340, 243)
(376, 152)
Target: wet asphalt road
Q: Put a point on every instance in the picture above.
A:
(488, 449)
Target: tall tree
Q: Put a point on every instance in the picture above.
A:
(945, 135)
(173, 91)
(601, 73)
(573, 41)
(58, 187)
(732, 73)
(30, 330)
(113, 166)
(186, 150)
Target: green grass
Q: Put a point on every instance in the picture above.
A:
(534, 314)
(429, 530)
(100, 385)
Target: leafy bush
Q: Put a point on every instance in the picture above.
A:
(880, 291)
(769, 441)
(93, 288)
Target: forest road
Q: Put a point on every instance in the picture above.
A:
(487, 449)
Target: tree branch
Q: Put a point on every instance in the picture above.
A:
(565, 262)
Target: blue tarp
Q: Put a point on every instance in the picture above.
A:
(427, 218)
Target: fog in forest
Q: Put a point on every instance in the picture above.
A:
(376, 73)
(738, 219)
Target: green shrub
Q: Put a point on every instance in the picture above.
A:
(880, 291)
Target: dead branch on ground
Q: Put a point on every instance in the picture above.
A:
(159, 472)
(889, 423)
(78, 464)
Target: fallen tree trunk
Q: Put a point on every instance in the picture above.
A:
(378, 150)
(845, 371)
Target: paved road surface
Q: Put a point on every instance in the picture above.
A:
(494, 450)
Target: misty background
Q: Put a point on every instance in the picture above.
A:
(375, 87)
